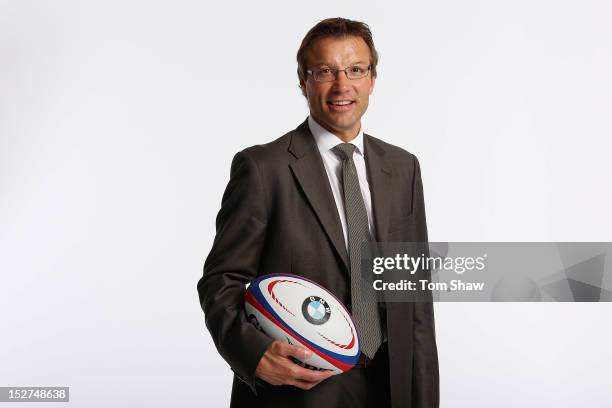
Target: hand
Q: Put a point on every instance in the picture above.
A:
(276, 368)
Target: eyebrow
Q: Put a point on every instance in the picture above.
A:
(360, 62)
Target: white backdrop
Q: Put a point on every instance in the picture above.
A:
(118, 122)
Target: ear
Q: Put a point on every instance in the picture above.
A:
(303, 88)
(372, 85)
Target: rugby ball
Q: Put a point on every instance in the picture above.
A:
(298, 311)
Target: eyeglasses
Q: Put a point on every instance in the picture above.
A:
(330, 74)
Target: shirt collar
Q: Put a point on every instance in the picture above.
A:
(326, 140)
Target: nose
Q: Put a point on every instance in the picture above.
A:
(341, 82)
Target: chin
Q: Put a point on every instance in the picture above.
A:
(344, 126)
(340, 120)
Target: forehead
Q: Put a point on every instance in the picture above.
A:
(338, 51)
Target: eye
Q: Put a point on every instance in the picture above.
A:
(325, 71)
(356, 69)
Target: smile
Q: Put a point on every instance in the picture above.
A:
(340, 106)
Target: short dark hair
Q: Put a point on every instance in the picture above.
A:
(335, 27)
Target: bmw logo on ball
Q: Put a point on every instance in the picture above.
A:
(316, 310)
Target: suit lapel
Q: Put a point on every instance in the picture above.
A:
(379, 173)
(310, 174)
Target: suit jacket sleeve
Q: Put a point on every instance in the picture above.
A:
(232, 262)
(425, 378)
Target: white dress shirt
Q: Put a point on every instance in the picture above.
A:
(326, 141)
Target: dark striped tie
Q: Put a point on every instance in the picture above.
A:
(363, 302)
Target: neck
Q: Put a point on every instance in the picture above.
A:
(346, 135)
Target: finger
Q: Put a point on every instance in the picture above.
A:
(316, 376)
(305, 374)
(304, 384)
(289, 350)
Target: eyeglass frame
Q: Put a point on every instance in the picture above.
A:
(338, 70)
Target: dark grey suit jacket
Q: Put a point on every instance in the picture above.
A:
(278, 215)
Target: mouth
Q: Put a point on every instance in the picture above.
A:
(341, 105)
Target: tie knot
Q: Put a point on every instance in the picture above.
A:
(345, 150)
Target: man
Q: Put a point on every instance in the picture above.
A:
(302, 204)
